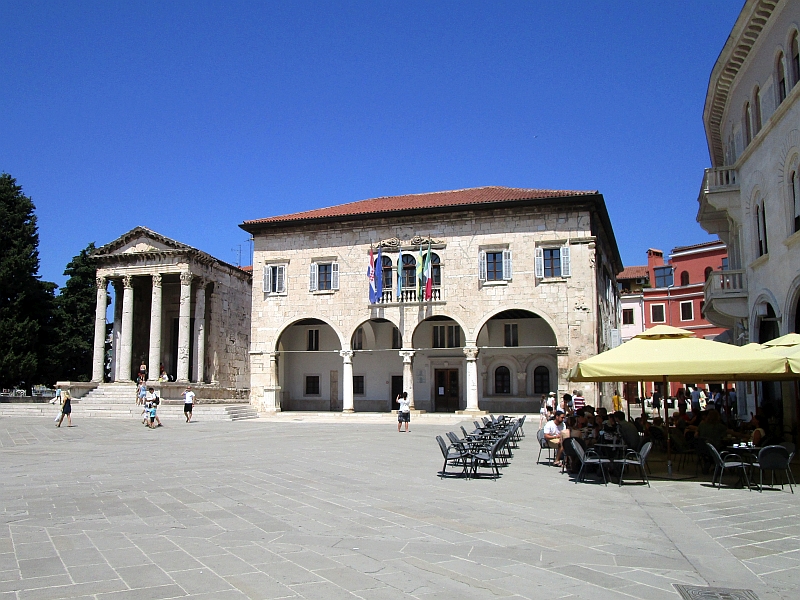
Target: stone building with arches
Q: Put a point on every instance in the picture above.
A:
(750, 196)
(522, 287)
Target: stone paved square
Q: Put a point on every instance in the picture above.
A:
(264, 509)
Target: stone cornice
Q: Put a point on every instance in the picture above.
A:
(745, 33)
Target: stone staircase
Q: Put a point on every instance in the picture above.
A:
(109, 393)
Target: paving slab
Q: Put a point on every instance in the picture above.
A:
(341, 508)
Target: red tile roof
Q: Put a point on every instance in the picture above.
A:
(430, 200)
(638, 272)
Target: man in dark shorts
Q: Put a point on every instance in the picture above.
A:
(188, 403)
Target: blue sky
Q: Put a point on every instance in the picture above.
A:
(191, 117)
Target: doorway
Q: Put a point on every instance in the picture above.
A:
(446, 393)
(397, 389)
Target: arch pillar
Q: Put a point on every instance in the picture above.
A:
(408, 375)
(348, 405)
(471, 352)
(272, 389)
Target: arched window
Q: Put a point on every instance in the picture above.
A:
(756, 110)
(388, 273)
(684, 278)
(436, 270)
(761, 229)
(541, 380)
(502, 380)
(708, 272)
(794, 191)
(409, 272)
(780, 77)
(748, 131)
(794, 50)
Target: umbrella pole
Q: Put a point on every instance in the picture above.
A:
(669, 445)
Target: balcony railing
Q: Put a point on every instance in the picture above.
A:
(721, 177)
(389, 296)
(726, 283)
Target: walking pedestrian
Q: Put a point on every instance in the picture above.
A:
(154, 400)
(141, 393)
(66, 409)
(188, 403)
(404, 414)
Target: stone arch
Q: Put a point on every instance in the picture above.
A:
(541, 314)
(502, 361)
(437, 317)
(295, 320)
(764, 297)
(370, 333)
(791, 311)
(789, 163)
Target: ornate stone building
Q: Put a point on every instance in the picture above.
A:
(750, 196)
(523, 286)
(175, 306)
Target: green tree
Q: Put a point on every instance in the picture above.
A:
(74, 318)
(26, 303)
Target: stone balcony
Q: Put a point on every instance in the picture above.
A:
(726, 298)
(408, 296)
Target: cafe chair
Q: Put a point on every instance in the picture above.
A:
(731, 461)
(773, 458)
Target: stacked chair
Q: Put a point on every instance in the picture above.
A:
(489, 446)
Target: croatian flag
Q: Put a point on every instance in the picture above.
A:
(373, 295)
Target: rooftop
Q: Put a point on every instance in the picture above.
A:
(637, 272)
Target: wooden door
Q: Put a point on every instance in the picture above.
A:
(397, 389)
(446, 394)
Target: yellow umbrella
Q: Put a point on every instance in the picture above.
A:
(664, 351)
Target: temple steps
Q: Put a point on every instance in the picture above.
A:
(167, 413)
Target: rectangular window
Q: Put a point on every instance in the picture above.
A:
(663, 276)
(687, 311)
(358, 339)
(323, 276)
(725, 264)
(446, 336)
(494, 266)
(275, 279)
(552, 262)
(358, 385)
(657, 313)
(511, 335)
(627, 316)
(397, 342)
(313, 339)
(312, 385)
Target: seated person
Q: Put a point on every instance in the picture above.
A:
(627, 431)
(552, 433)
(712, 429)
(759, 434)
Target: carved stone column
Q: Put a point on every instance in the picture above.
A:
(153, 367)
(272, 390)
(408, 375)
(200, 332)
(99, 358)
(184, 326)
(126, 334)
(471, 352)
(116, 338)
(348, 405)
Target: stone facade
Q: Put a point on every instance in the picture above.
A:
(177, 307)
(483, 341)
(751, 195)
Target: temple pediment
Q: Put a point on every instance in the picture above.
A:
(140, 240)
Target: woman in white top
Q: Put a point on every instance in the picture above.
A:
(404, 414)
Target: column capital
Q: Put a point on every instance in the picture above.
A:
(157, 279)
(407, 355)
(347, 355)
(127, 281)
(101, 281)
(186, 278)
(471, 352)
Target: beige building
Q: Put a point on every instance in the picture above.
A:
(751, 194)
(523, 286)
(174, 306)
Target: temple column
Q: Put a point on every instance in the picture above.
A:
(408, 375)
(184, 326)
(200, 332)
(347, 381)
(471, 352)
(116, 330)
(99, 358)
(153, 367)
(272, 389)
(126, 333)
